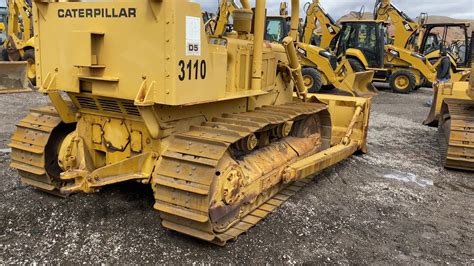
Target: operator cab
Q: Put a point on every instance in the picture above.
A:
(277, 28)
(453, 36)
(367, 36)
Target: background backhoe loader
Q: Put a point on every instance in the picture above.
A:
(426, 38)
(17, 65)
(365, 44)
(320, 66)
(222, 129)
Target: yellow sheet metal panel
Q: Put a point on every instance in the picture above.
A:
(163, 40)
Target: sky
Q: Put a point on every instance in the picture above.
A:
(461, 9)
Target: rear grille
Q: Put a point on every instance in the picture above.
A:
(130, 108)
(106, 105)
(110, 106)
(87, 103)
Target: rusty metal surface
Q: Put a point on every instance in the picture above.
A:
(206, 188)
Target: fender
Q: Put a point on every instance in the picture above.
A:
(355, 53)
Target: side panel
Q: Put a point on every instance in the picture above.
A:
(91, 46)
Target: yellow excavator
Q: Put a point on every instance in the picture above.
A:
(453, 112)
(426, 38)
(222, 129)
(17, 63)
(320, 66)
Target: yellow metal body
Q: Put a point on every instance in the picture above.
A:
(19, 46)
(315, 14)
(221, 128)
(452, 111)
(406, 60)
(342, 77)
(406, 29)
(398, 59)
(333, 71)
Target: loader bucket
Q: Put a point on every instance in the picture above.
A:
(359, 84)
(13, 77)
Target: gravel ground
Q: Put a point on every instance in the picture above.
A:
(394, 205)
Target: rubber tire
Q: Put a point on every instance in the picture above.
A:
(30, 54)
(356, 65)
(411, 81)
(4, 54)
(316, 76)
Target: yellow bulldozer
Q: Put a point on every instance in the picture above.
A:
(222, 129)
(320, 66)
(17, 64)
(452, 111)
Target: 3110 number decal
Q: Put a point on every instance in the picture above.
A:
(193, 69)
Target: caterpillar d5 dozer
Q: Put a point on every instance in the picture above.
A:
(320, 66)
(17, 64)
(453, 112)
(213, 125)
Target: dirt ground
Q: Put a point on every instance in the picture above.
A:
(394, 205)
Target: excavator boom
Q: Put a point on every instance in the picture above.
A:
(316, 15)
(405, 27)
(18, 76)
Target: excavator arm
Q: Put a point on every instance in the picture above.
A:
(18, 76)
(329, 29)
(20, 31)
(405, 27)
(226, 7)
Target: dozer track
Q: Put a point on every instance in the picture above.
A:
(34, 149)
(185, 178)
(456, 135)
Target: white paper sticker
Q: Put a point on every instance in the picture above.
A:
(193, 36)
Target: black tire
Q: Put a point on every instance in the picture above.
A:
(409, 81)
(4, 55)
(29, 56)
(312, 79)
(356, 65)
